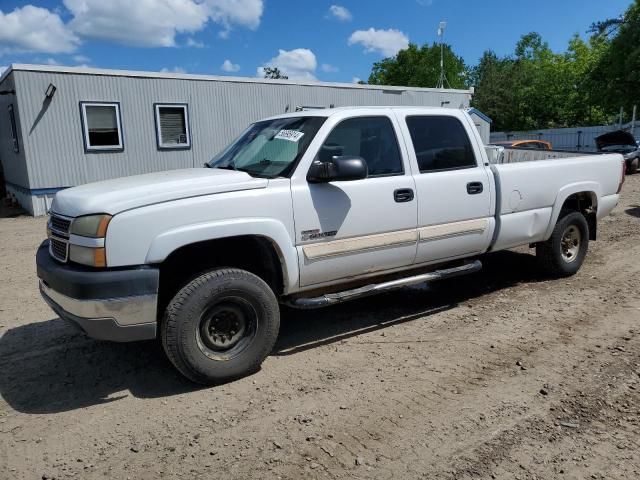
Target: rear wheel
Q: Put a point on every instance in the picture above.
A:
(563, 254)
(220, 326)
(632, 166)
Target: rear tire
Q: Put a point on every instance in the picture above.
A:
(220, 326)
(563, 254)
(632, 166)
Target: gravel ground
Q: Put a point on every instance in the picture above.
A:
(503, 374)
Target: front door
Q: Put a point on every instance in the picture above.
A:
(352, 228)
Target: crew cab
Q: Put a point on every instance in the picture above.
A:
(306, 209)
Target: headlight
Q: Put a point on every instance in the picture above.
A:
(94, 226)
(94, 257)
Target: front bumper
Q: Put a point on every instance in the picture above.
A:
(117, 305)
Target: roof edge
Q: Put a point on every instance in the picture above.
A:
(483, 116)
(6, 72)
(220, 78)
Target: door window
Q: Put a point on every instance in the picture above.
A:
(441, 143)
(372, 138)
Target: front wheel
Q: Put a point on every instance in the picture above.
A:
(562, 255)
(220, 326)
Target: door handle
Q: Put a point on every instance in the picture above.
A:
(402, 195)
(473, 188)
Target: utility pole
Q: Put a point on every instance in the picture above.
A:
(633, 121)
(442, 81)
(620, 121)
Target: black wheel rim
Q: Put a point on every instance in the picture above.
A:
(226, 328)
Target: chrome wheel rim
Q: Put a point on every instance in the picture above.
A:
(570, 243)
(226, 328)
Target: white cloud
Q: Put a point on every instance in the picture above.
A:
(173, 70)
(229, 66)
(244, 13)
(387, 42)
(425, 3)
(297, 64)
(155, 23)
(340, 13)
(81, 59)
(192, 42)
(35, 29)
(356, 80)
(144, 23)
(328, 68)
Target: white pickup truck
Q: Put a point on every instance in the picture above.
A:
(306, 209)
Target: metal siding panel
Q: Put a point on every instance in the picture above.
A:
(218, 112)
(14, 164)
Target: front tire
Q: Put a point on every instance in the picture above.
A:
(220, 326)
(563, 254)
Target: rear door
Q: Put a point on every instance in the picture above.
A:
(452, 186)
(347, 229)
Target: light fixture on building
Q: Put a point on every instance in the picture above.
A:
(51, 90)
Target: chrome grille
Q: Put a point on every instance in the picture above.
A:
(59, 249)
(60, 225)
(59, 237)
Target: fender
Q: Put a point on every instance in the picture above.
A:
(593, 188)
(167, 242)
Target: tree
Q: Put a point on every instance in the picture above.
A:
(420, 67)
(616, 75)
(274, 73)
(537, 88)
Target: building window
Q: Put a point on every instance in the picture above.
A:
(172, 126)
(14, 129)
(101, 126)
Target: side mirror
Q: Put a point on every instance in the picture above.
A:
(343, 168)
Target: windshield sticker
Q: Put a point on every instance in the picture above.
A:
(290, 135)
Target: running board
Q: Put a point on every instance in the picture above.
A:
(339, 297)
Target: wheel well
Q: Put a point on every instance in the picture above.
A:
(585, 203)
(254, 254)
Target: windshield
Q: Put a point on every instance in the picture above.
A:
(271, 148)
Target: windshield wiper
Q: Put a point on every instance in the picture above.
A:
(226, 167)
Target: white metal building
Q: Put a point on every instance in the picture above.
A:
(65, 126)
(482, 123)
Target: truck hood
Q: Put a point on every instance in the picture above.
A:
(618, 137)
(120, 194)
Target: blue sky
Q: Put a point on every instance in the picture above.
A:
(336, 40)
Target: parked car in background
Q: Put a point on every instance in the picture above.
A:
(529, 144)
(622, 142)
(306, 209)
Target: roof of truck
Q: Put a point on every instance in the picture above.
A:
(327, 112)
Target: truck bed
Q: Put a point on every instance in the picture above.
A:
(527, 190)
(499, 155)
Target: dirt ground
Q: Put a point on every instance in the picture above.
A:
(503, 374)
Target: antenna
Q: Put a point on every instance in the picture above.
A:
(442, 81)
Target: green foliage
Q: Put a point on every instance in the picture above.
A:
(274, 73)
(616, 75)
(420, 67)
(586, 85)
(535, 87)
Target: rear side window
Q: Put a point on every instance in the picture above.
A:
(440, 143)
(372, 138)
